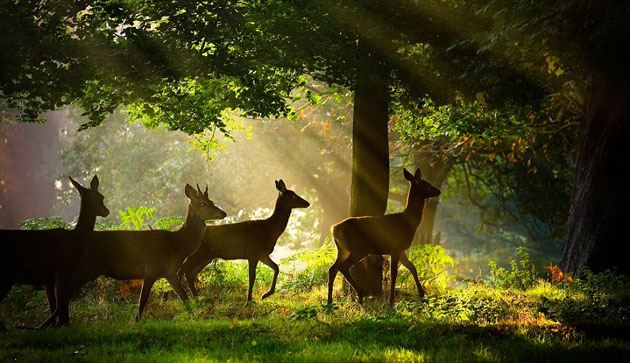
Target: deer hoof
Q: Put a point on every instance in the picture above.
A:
(267, 294)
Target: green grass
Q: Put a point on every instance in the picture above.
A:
(471, 323)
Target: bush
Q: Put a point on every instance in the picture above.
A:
(522, 273)
(44, 223)
(431, 262)
(309, 268)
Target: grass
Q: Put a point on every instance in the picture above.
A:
(476, 322)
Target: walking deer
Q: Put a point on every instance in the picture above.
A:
(47, 256)
(147, 255)
(250, 240)
(391, 234)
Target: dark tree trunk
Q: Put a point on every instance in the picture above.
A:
(370, 161)
(597, 230)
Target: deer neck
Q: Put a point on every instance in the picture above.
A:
(413, 210)
(86, 220)
(192, 230)
(279, 218)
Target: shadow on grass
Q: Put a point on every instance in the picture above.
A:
(260, 339)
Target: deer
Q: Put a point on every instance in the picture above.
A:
(391, 234)
(45, 257)
(252, 240)
(147, 255)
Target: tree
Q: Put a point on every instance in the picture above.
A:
(575, 45)
(504, 160)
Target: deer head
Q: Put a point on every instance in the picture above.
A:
(288, 198)
(91, 198)
(202, 207)
(421, 189)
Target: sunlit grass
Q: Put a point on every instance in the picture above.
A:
(476, 323)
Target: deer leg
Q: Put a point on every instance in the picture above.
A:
(58, 294)
(393, 276)
(64, 295)
(332, 273)
(50, 294)
(5, 287)
(144, 295)
(252, 277)
(191, 273)
(409, 265)
(191, 278)
(267, 261)
(177, 287)
(344, 267)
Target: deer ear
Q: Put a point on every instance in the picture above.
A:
(418, 174)
(281, 186)
(205, 194)
(94, 183)
(407, 175)
(77, 186)
(190, 192)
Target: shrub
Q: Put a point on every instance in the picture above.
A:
(522, 273)
(431, 262)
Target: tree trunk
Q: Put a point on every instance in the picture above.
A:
(370, 161)
(597, 231)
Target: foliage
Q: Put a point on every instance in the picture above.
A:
(557, 275)
(179, 70)
(134, 218)
(522, 273)
(168, 223)
(184, 71)
(309, 268)
(431, 262)
(44, 223)
(517, 316)
(472, 323)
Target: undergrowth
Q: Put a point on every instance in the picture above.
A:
(523, 313)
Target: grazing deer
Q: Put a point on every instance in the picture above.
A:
(147, 255)
(250, 240)
(47, 256)
(391, 234)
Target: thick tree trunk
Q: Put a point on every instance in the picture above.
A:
(370, 162)
(597, 231)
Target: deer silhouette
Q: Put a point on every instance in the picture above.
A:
(250, 240)
(147, 255)
(46, 257)
(391, 234)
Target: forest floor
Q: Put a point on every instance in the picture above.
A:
(473, 322)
